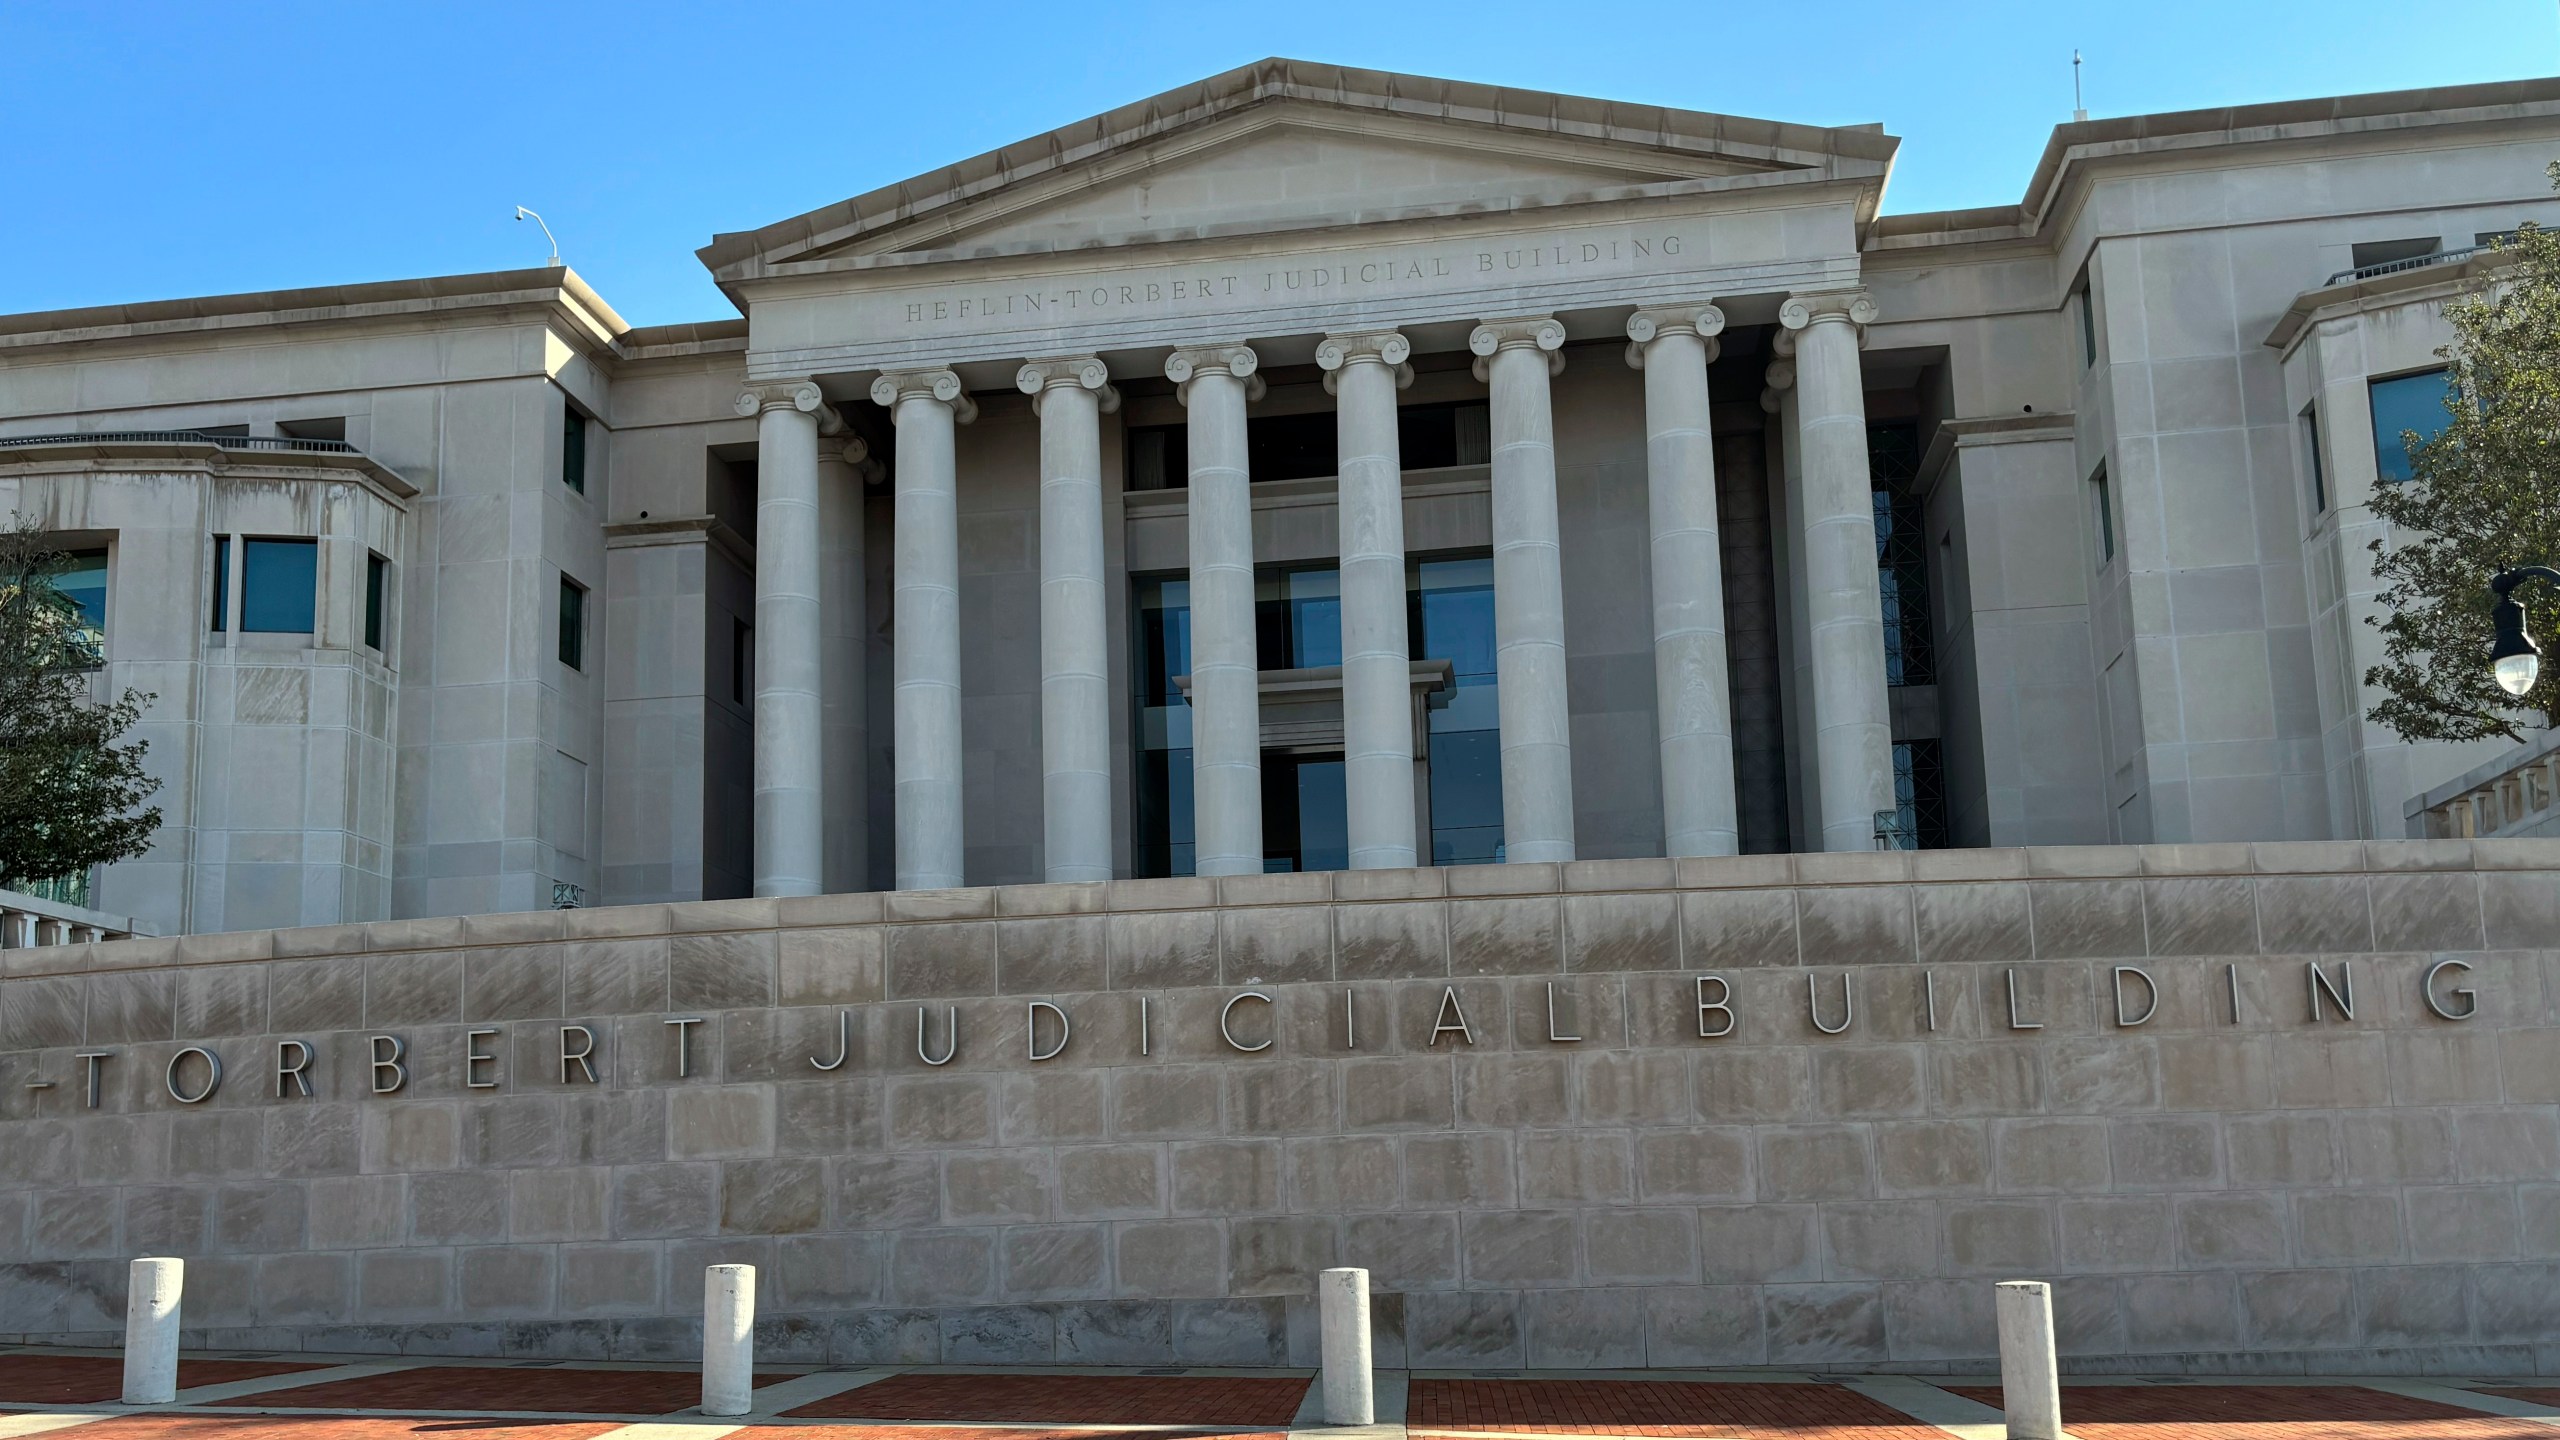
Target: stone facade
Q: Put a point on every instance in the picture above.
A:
(1786, 1110)
(856, 570)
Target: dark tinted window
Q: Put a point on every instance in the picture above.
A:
(280, 582)
(573, 624)
(377, 578)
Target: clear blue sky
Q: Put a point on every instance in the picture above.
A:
(152, 150)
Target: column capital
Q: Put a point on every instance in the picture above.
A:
(1038, 376)
(896, 387)
(1193, 361)
(1543, 332)
(801, 395)
(857, 457)
(1652, 322)
(1337, 353)
(1781, 378)
(1855, 307)
(1526, 332)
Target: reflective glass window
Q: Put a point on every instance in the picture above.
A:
(2401, 404)
(280, 586)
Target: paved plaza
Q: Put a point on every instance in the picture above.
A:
(251, 1396)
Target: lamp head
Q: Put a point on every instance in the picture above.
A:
(2514, 659)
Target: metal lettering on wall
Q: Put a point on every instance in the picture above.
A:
(1249, 1022)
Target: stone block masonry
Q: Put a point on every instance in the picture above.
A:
(2249, 1108)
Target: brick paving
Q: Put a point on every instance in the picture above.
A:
(1068, 1400)
(2266, 1412)
(335, 1427)
(99, 1379)
(953, 1432)
(1666, 1408)
(530, 1403)
(473, 1387)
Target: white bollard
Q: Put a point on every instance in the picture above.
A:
(151, 1330)
(728, 1339)
(1350, 1391)
(2030, 1385)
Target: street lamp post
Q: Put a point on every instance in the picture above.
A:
(2515, 659)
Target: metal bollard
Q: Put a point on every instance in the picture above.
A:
(1350, 1391)
(728, 1339)
(151, 1330)
(2030, 1385)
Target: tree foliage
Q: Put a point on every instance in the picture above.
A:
(75, 794)
(2484, 497)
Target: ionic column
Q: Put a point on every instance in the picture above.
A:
(1844, 613)
(1364, 372)
(1673, 345)
(925, 706)
(1226, 678)
(790, 824)
(1515, 359)
(1071, 395)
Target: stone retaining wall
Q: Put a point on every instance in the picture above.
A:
(1488, 1085)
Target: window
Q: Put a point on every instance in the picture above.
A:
(573, 624)
(279, 586)
(221, 583)
(1920, 796)
(84, 583)
(377, 574)
(2390, 252)
(1452, 619)
(1306, 446)
(1163, 815)
(573, 448)
(1449, 616)
(2088, 329)
(1297, 619)
(1902, 554)
(2401, 404)
(742, 661)
(2106, 513)
(2311, 455)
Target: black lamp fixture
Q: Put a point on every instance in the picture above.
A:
(2515, 659)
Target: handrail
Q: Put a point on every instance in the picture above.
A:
(2394, 267)
(27, 921)
(183, 437)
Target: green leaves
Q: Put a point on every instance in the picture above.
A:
(75, 793)
(2484, 497)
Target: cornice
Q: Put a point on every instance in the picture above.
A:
(204, 457)
(2417, 285)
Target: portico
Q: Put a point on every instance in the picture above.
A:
(1065, 277)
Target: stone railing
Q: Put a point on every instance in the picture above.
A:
(27, 921)
(2517, 794)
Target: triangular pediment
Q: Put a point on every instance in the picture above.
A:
(1291, 166)
(1288, 145)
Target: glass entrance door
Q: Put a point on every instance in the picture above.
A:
(1304, 822)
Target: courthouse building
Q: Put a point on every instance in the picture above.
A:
(1306, 469)
(1527, 693)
